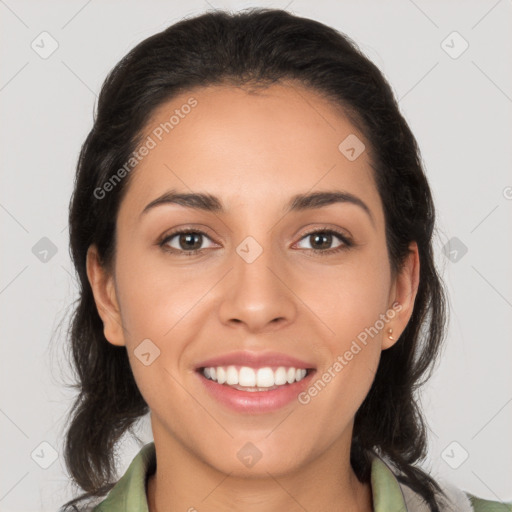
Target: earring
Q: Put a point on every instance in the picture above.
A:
(390, 331)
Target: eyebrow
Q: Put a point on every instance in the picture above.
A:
(298, 203)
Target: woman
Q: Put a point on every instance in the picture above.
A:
(252, 230)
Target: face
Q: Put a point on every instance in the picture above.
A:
(260, 280)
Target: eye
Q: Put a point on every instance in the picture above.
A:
(320, 241)
(186, 241)
(190, 241)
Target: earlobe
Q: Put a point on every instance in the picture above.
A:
(403, 296)
(102, 284)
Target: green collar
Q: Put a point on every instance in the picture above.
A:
(131, 488)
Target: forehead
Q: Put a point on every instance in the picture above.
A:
(251, 145)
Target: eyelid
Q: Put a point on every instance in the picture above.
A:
(345, 238)
(164, 239)
(342, 233)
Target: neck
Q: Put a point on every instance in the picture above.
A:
(183, 482)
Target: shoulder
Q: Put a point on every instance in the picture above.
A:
(482, 505)
(457, 497)
(453, 499)
(131, 487)
(391, 493)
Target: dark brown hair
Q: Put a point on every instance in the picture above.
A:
(255, 47)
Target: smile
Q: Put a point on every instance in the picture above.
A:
(254, 390)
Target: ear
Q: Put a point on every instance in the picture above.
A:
(103, 288)
(402, 296)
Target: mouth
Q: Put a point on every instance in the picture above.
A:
(249, 390)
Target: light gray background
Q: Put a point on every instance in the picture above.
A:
(460, 111)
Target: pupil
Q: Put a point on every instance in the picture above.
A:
(326, 237)
(187, 241)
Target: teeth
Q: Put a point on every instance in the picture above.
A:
(265, 378)
(246, 377)
(221, 374)
(252, 378)
(231, 376)
(280, 376)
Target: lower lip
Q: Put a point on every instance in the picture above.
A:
(254, 402)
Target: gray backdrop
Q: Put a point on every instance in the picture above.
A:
(449, 65)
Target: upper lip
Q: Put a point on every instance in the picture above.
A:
(255, 360)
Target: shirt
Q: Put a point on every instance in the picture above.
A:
(389, 495)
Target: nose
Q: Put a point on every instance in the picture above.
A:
(257, 294)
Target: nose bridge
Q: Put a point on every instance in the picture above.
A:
(256, 294)
(254, 260)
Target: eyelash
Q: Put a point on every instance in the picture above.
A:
(346, 242)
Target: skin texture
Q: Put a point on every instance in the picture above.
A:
(254, 151)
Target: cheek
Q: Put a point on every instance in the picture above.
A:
(350, 301)
(351, 309)
(349, 297)
(157, 308)
(154, 297)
